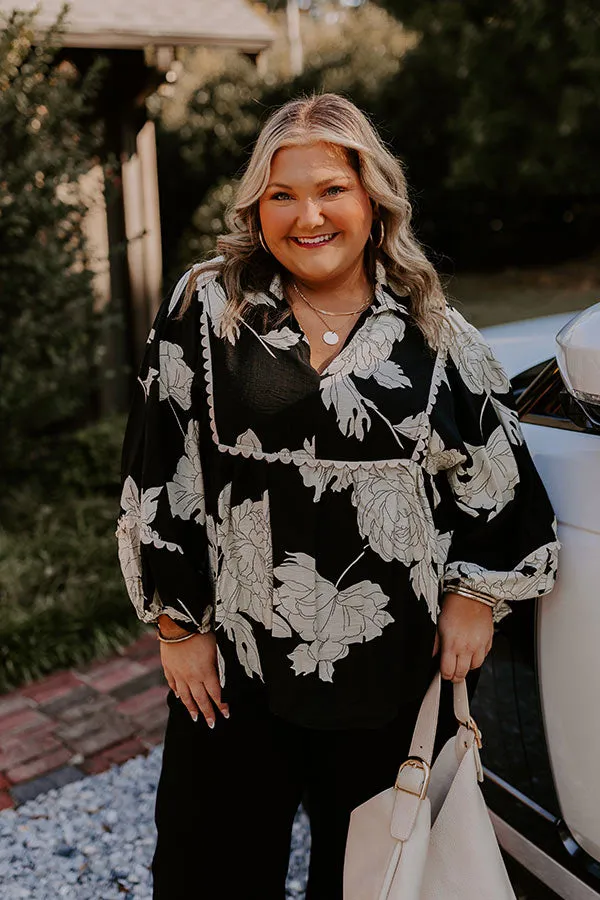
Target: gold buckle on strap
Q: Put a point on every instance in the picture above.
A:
(471, 724)
(415, 762)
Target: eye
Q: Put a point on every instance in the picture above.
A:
(281, 195)
(335, 190)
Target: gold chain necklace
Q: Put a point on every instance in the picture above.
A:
(329, 336)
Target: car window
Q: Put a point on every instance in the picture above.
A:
(542, 399)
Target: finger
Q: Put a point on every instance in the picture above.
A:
(203, 702)
(213, 687)
(478, 659)
(185, 695)
(436, 644)
(448, 664)
(170, 680)
(463, 664)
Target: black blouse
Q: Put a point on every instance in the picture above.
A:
(314, 520)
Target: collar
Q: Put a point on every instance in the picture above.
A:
(385, 299)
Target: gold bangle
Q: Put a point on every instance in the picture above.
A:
(174, 640)
(473, 595)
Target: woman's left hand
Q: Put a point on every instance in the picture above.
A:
(465, 632)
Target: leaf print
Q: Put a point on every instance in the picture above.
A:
(175, 375)
(413, 426)
(510, 421)
(326, 617)
(239, 631)
(324, 474)
(141, 513)
(283, 339)
(186, 491)
(352, 416)
(147, 382)
(151, 336)
(130, 560)
(389, 375)
(477, 365)
(489, 480)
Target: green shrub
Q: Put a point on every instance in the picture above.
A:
(62, 598)
(49, 330)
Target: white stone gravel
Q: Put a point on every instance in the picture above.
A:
(93, 839)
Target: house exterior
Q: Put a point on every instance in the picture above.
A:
(139, 38)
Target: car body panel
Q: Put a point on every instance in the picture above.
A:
(519, 345)
(568, 627)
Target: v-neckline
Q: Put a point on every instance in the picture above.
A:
(322, 373)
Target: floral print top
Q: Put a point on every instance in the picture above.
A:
(313, 520)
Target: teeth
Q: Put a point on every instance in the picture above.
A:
(321, 239)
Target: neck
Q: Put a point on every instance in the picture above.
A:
(349, 287)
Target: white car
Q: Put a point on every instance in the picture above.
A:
(538, 699)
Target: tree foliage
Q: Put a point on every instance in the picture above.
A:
(47, 319)
(492, 107)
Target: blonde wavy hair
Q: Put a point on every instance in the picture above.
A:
(244, 266)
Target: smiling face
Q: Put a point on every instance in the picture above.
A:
(315, 214)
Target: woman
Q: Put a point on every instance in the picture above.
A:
(324, 483)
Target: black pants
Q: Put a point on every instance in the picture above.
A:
(227, 799)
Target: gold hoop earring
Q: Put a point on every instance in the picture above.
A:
(382, 234)
(262, 241)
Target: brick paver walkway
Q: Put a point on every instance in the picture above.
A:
(81, 721)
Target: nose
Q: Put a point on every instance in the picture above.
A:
(310, 216)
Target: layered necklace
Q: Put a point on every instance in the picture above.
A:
(330, 336)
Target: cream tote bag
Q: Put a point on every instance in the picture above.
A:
(429, 837)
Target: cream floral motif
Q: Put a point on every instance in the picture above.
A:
(510, 421)
(389, 512)
(282, 338)
(366, 356)
(326, 618)
(215, 301)
(175, 380)
(147, 382)
(534, 575)
(244, 581)
(478, 368)
(393, 513)
(325, 474)
(186, 491)
(489, 480)
(133, 530)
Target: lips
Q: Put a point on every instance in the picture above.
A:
(319, 240)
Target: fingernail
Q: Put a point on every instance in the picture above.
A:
(194, 717)
(225, 713)
(210, 723)
(177, 695)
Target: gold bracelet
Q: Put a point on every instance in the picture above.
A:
(174, 640)
(474, 595)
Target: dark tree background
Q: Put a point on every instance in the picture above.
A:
(495, 111)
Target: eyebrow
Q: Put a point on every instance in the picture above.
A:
(323, 181)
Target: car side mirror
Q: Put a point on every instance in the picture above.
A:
(578, 358)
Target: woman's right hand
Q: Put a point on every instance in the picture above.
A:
(191, 671)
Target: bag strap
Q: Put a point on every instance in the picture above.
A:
(412, 780)
(423, 739)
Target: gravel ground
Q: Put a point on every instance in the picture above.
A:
(93, 839)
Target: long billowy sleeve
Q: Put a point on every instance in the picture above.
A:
(504, 540)
(161, 529)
